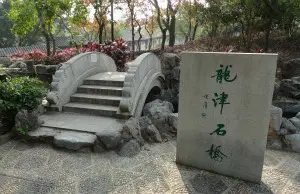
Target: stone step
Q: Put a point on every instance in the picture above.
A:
(80, 122)
(115, 79)
(102, 90)
(91, 109)
(96, 99)
(74, 140)
(103, 83)
(71, 140)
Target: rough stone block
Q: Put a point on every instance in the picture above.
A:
(110, 138)
(276, 117)
(40, 69)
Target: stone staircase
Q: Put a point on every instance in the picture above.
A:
(91, 110)
(100, 95)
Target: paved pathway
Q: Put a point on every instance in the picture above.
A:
(42, 169)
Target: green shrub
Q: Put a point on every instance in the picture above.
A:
(20, 93)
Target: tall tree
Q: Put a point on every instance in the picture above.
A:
(101, 9)
(150, 26)
(27, 14)
(7, 39)
(166, 19)
(131, 4)
(112, 20)
(162, 20)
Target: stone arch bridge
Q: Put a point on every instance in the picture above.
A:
(88, 94)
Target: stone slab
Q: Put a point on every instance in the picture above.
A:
(80, 122)
(232, 140)
(74, 140)
(43, 133)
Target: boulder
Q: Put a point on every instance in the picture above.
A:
(275, 144)
(131, 130)
(287, 124)
(295, 121)
(5, 61)
(158, 112)
(290, 87)
(74, 140)
(173, 120)
(28, 120)
(291, 68)
(98, 147)
(290, 107)
(294, 141)
(110, 138)
(130, 148)
(152, 134)
(283, 132)
(144, 122)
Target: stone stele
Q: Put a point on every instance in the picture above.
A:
(231, 142)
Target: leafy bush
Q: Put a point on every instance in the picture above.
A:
(20, 93)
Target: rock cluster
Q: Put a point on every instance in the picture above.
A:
(171, 71)
(284, 131)
(157, 125)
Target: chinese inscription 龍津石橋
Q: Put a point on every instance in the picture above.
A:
(223, 75)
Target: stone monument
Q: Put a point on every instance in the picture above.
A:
(224, 112)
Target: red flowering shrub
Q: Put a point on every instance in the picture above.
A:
(117, 50)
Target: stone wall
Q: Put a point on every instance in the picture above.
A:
(27, 68)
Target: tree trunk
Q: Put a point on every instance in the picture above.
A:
(43, 28)
(140, 37)
(101, 28)
(267, 35)
(164, 38)
(188, 35)
(132, 32)
(195, 31)
(112, 20)
(150, 43)
(52, 39)
(172, 31)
